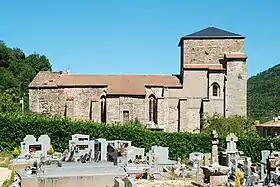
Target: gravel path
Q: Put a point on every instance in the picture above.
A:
(163, 183)
(4, 174)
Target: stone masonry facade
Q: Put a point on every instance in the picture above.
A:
(212, 80)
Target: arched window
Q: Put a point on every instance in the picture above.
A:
(215, 89)
(153, 109)
(103, 109)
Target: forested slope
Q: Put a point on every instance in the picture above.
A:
(264, 94)
(16, 72)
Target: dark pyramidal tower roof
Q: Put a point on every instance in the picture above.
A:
(212, 33)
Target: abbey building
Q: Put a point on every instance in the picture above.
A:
(212, 78)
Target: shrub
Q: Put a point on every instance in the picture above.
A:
(238, 125)
(16, 152)
(14, 127)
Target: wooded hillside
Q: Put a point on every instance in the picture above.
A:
(264, 94)
(16, 72)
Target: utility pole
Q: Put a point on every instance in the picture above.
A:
(22, 103)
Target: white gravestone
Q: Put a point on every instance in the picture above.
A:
(163, 154)
(231, 140)
(46, 142)
(132, 152)
(196, 158)
(81, 144)
(103, 149)
(28, 140)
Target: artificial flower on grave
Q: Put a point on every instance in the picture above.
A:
(16, 152)
(122, 149)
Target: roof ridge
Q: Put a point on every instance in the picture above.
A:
(122, 74)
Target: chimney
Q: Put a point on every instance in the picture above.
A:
(275, 119)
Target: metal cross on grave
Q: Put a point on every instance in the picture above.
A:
(231, 143)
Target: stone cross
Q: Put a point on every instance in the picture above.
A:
(231, 143)
(215, 142)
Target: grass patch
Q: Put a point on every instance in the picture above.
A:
(5, 158)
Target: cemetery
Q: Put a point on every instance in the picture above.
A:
(117, 163)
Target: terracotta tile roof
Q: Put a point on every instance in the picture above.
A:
(204, 66)
(45, 79)
(116, 84)
(271, 123)
(235, 56)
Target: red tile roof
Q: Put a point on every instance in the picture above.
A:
(271, 123)
(235, 56)
(204, 66)
(116, 84)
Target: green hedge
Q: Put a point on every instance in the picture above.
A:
(14, 127)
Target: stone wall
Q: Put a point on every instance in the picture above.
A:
(134, 105)
(53, 101)
(216, 103)
(236, 92)
(195, 84)
(209, 51)
(47, 101)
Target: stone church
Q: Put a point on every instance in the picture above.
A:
(212, 78)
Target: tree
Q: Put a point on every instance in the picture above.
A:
(16, 73)
(9, 101)
(238, 125)
(4, 55)
(38, 62)
(7, 79)
(263, 90)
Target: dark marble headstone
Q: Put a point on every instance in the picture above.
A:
(115, 156)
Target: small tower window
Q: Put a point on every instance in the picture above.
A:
(103, 109)
(153, 109)
(125, 116)
(215, 89)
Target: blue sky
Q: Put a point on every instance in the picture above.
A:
(141, 37)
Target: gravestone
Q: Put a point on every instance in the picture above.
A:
(133, 152)
(207, 159)
(230, 156)
(119, 183)
(103, 148)
(231, 140)
(45, 141)
(270, 165)
(163, 154)
(215, 174)
(196, 158)
(214, 153)
(115, 156)
(156, 163)
(131, 182)
(28, 140)
(264, 157)
(150, 157)
(81, 144)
